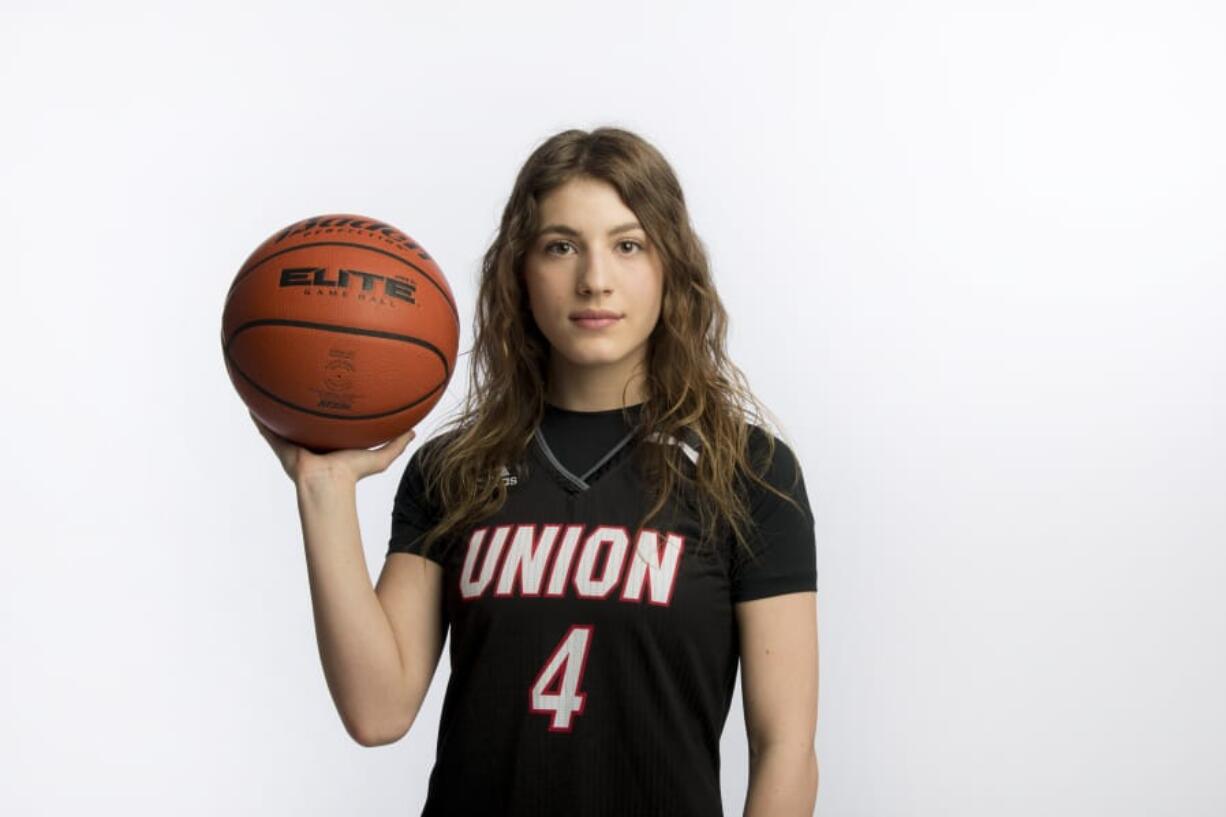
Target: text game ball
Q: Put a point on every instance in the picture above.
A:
(340, 331)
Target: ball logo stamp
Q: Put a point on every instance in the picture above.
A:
(336, 391)
(338, 375)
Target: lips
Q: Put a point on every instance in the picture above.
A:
(594, 314)
(585, 322)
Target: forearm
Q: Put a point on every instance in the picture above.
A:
(357, 647)
(782, 783)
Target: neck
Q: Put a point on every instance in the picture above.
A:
(594, 388)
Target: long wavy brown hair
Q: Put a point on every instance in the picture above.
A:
(693, 391)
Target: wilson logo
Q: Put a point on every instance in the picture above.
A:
(320, 224)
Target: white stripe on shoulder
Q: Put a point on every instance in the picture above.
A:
(669, 439)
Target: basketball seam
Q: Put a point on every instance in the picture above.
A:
(329, 327)
(234, 365)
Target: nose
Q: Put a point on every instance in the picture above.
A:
(594, 273)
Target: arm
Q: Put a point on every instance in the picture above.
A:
(379, 650)
(779, 687)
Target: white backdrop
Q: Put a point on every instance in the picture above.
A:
(975, 260)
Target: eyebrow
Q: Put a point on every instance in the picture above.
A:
(570, 231)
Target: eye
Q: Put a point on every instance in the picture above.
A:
(631, 242)
(549, 247)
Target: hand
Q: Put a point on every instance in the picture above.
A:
(350, 463)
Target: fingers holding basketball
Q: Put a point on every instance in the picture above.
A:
(348, 464)
(386, 454)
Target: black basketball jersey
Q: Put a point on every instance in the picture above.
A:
(591, 669)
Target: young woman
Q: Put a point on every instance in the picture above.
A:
(606, 528)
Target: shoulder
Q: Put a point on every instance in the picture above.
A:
(760, 439)
(778, 495)
(771, 457)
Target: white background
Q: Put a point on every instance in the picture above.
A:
(974, 256)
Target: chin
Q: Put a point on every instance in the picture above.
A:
(592, 359)
(591, 354)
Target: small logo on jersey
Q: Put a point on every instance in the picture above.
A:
(507, 477)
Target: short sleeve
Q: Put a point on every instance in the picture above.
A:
(412, 514)
(782, 537)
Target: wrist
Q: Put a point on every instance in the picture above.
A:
(325, 481)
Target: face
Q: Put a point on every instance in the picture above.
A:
(591, 254)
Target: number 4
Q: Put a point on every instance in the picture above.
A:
(565, 665)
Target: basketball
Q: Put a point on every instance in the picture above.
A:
(340, 331)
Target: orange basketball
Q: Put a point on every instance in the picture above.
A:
(340, 331)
